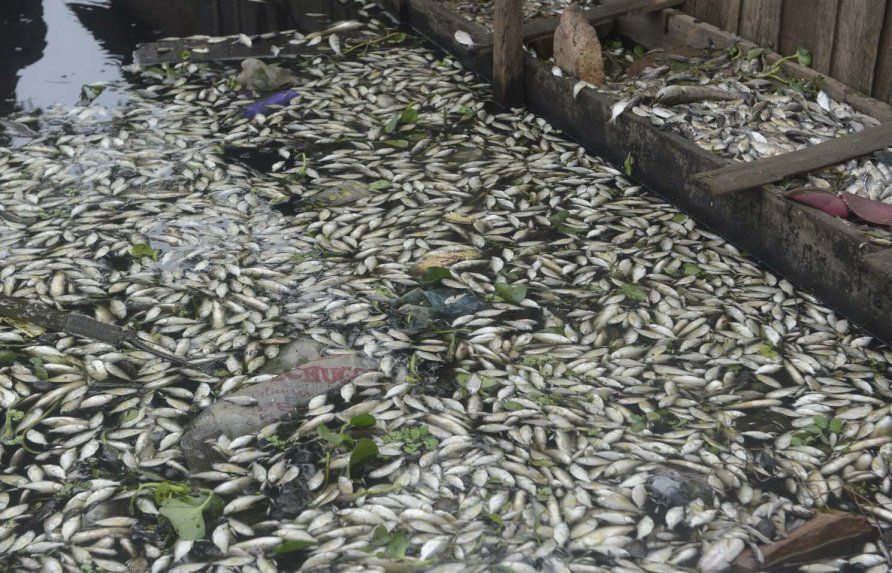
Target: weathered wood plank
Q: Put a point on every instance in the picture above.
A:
(882, 82)
(858, 27)
(722, 13)
(760, 21)
(597, 15)
(672, 28)
(740, 176)
(812, 25)
(819, 253)
(507, 58)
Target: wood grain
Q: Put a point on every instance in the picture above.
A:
(882, 81)
(760, 21)
(858, 27)
(812, 25)
(740, 176)
(507, 56)
(722, 13)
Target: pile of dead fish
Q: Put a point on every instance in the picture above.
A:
(626, 393)
(481, 12)
(735, 105)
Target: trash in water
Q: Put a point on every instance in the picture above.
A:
(250, 409)
(342, 194)
(262, 77)
(263, 105)
(419, 309)
(445, 258)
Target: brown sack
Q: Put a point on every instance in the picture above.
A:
(577, 49)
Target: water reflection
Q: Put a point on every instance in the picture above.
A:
(49, 49)
(22, 41)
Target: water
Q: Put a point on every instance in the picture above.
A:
(50, 49)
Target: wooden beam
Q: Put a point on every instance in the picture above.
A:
(740, 176)
(544, 27)
(882, 81)
(507, 56)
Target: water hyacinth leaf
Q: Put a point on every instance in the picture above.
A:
(512, 405)
(638, 50)
(141, 250)
(38, 368)
(803, 56)
(768, 352)
(397, 547)
(827, 202)
(409, 115)
(362, 421)
(363, 452)
(391, 124)
(379, 185)
(628, 165)
(633, 292)
(291, 547)
(558, 220)
(335, 439)
(186, 514)
(692, 270)
(835, 426)
(868, 209)
(511, 293)
(433, 275)
(7, 357)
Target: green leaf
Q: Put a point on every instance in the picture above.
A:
(633, 292)
(7, 357)
(38, 368)
(362, 421)
(397, 547)
(803, 56)
(768, 352)
(497, 519)
(512, 405)
(185, 514)
(363, 452)
(379, 184)
(754, 53)
(511, 293)
(143, 250)
(433, 275)
(835, 426)
(692, 270)
(820, 422)
(391, 124)
(398, 143)
(558, 218)
(329, 436)
(409, 115)
(291, 547)
(628, 165)
(638, 50)
(679, 218)
(380, 536)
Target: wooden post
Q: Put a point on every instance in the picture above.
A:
(507, 57)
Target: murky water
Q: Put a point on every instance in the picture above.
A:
(50, 49)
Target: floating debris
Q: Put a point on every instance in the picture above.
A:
(617, 339)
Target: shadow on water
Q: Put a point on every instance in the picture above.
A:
(49, 49)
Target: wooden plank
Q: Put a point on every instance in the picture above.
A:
(858, 27)
(760, 21)
(882, 82)
(672, 28)
(740, 176)
(597, 15)
(724, 14)
(822, 254)
(507, 57)
(812, 25)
